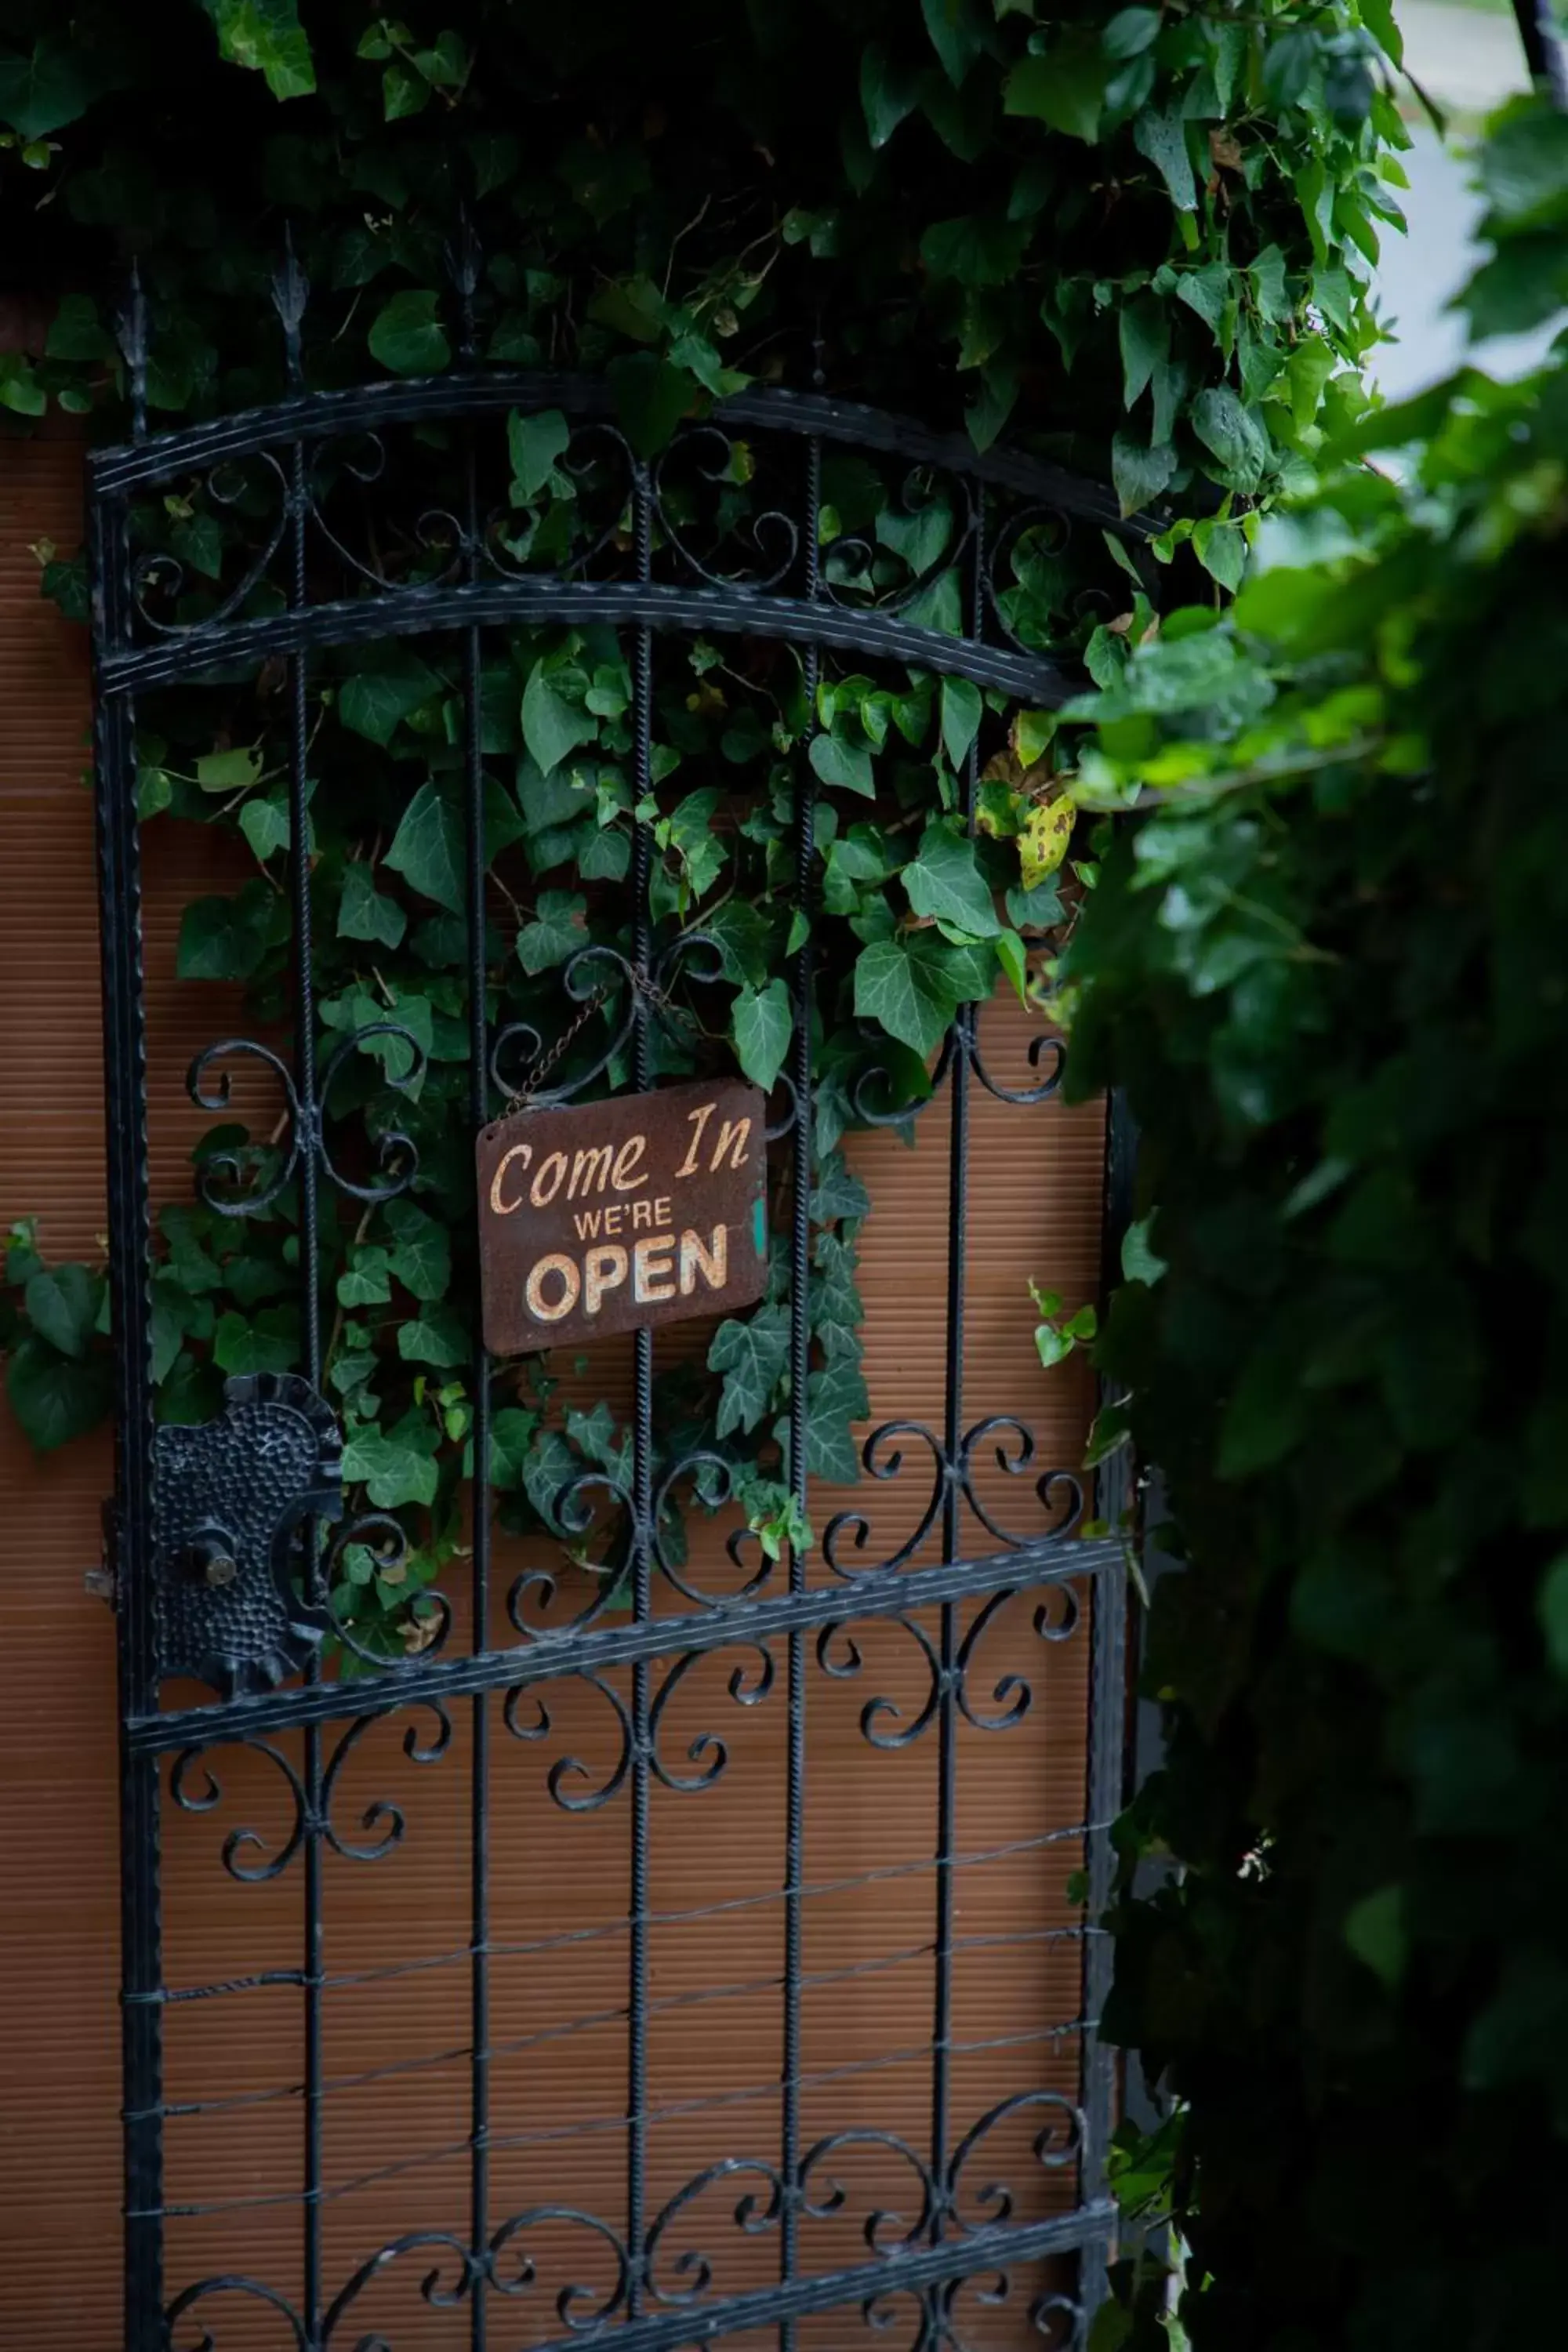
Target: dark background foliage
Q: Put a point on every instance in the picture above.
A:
(1329, 968)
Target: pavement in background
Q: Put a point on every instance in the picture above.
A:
(1472, 61)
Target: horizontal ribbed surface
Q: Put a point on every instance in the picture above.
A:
(558, 1879)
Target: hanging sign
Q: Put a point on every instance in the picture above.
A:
(622, 1215)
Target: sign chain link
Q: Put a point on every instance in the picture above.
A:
(526, 1091)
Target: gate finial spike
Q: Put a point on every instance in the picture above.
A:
(131, 334)
(290, 292)
(463, 257)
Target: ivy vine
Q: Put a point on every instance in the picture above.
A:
(1138, 239)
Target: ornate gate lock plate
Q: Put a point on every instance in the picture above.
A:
(232, 1502)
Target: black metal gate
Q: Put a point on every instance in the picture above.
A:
(218, 1542)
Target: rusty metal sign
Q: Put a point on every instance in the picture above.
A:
(619, 1216)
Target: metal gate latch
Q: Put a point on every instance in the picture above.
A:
(232, 1502)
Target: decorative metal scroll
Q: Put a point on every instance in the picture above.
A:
(975, 565)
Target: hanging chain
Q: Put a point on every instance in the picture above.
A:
(526, 1092)
(522, 1095)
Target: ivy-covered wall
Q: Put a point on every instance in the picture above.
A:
(1135, 239)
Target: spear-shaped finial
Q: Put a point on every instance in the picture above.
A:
(290, 292)
(463, 258)
(131, 334)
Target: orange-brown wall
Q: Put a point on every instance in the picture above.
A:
(1034, 1209)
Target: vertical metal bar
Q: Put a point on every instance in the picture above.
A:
(799, 1371)
(1105, 1782)
(463, 264)
(479, 1486)
(952, 1444)
(1107, 1725)
(1543, 48)
(307, 1168)
(129, 1235)
(642, 1453)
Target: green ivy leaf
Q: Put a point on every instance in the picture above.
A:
(961, 709)
(907, 986)
(836, 1397)
(556, 931)
(1221, 549)
(268, 1343)
(421, 1253)
(533, 444)
(843, 763)
(1035, 910)
(267, 37)
(439, 1337)
(976, 248)
(229, 771)
(1376, 1933)
(1145, 328)
(43, 90)
(395, 1467)
(374, 702)
(1130, 32)
(1139, 1261)
(1551, 1611)
(838, 1193)
(960, 33)
(1163, 137)
(366, 1280)
(753, 1356)
(55, 1398)
(1206, 291)
(1065, 89)
(229, 938)
(1013, 957)
(944, 882)
(1139, 471)
(554, 723)
(199, 543)
(429, 849)
(263, 821)
(761, 1022)
(551, 1465)
(512, 1431)
(76, 329)
(607, 855)
(742, 936)
(363, 913)
(1224, 425)
(889, 93)
(62, 1303)
(651, 397)
(407, 336)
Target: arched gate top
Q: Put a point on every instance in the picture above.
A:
(782, 515)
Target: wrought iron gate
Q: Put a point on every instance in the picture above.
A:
(218, 1531)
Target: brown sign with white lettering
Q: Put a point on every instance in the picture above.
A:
(618, 1217)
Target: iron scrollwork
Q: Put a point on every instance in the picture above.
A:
(249, 1856)
(723, 532)
(245, 1180)
(1058, 1492)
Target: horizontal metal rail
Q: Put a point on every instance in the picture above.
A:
(618, 604)
(319, 415)
(981, 2251)
(554, 1655)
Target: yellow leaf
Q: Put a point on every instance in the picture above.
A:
(1043, 839)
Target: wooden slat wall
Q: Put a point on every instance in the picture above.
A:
(559, 2073)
